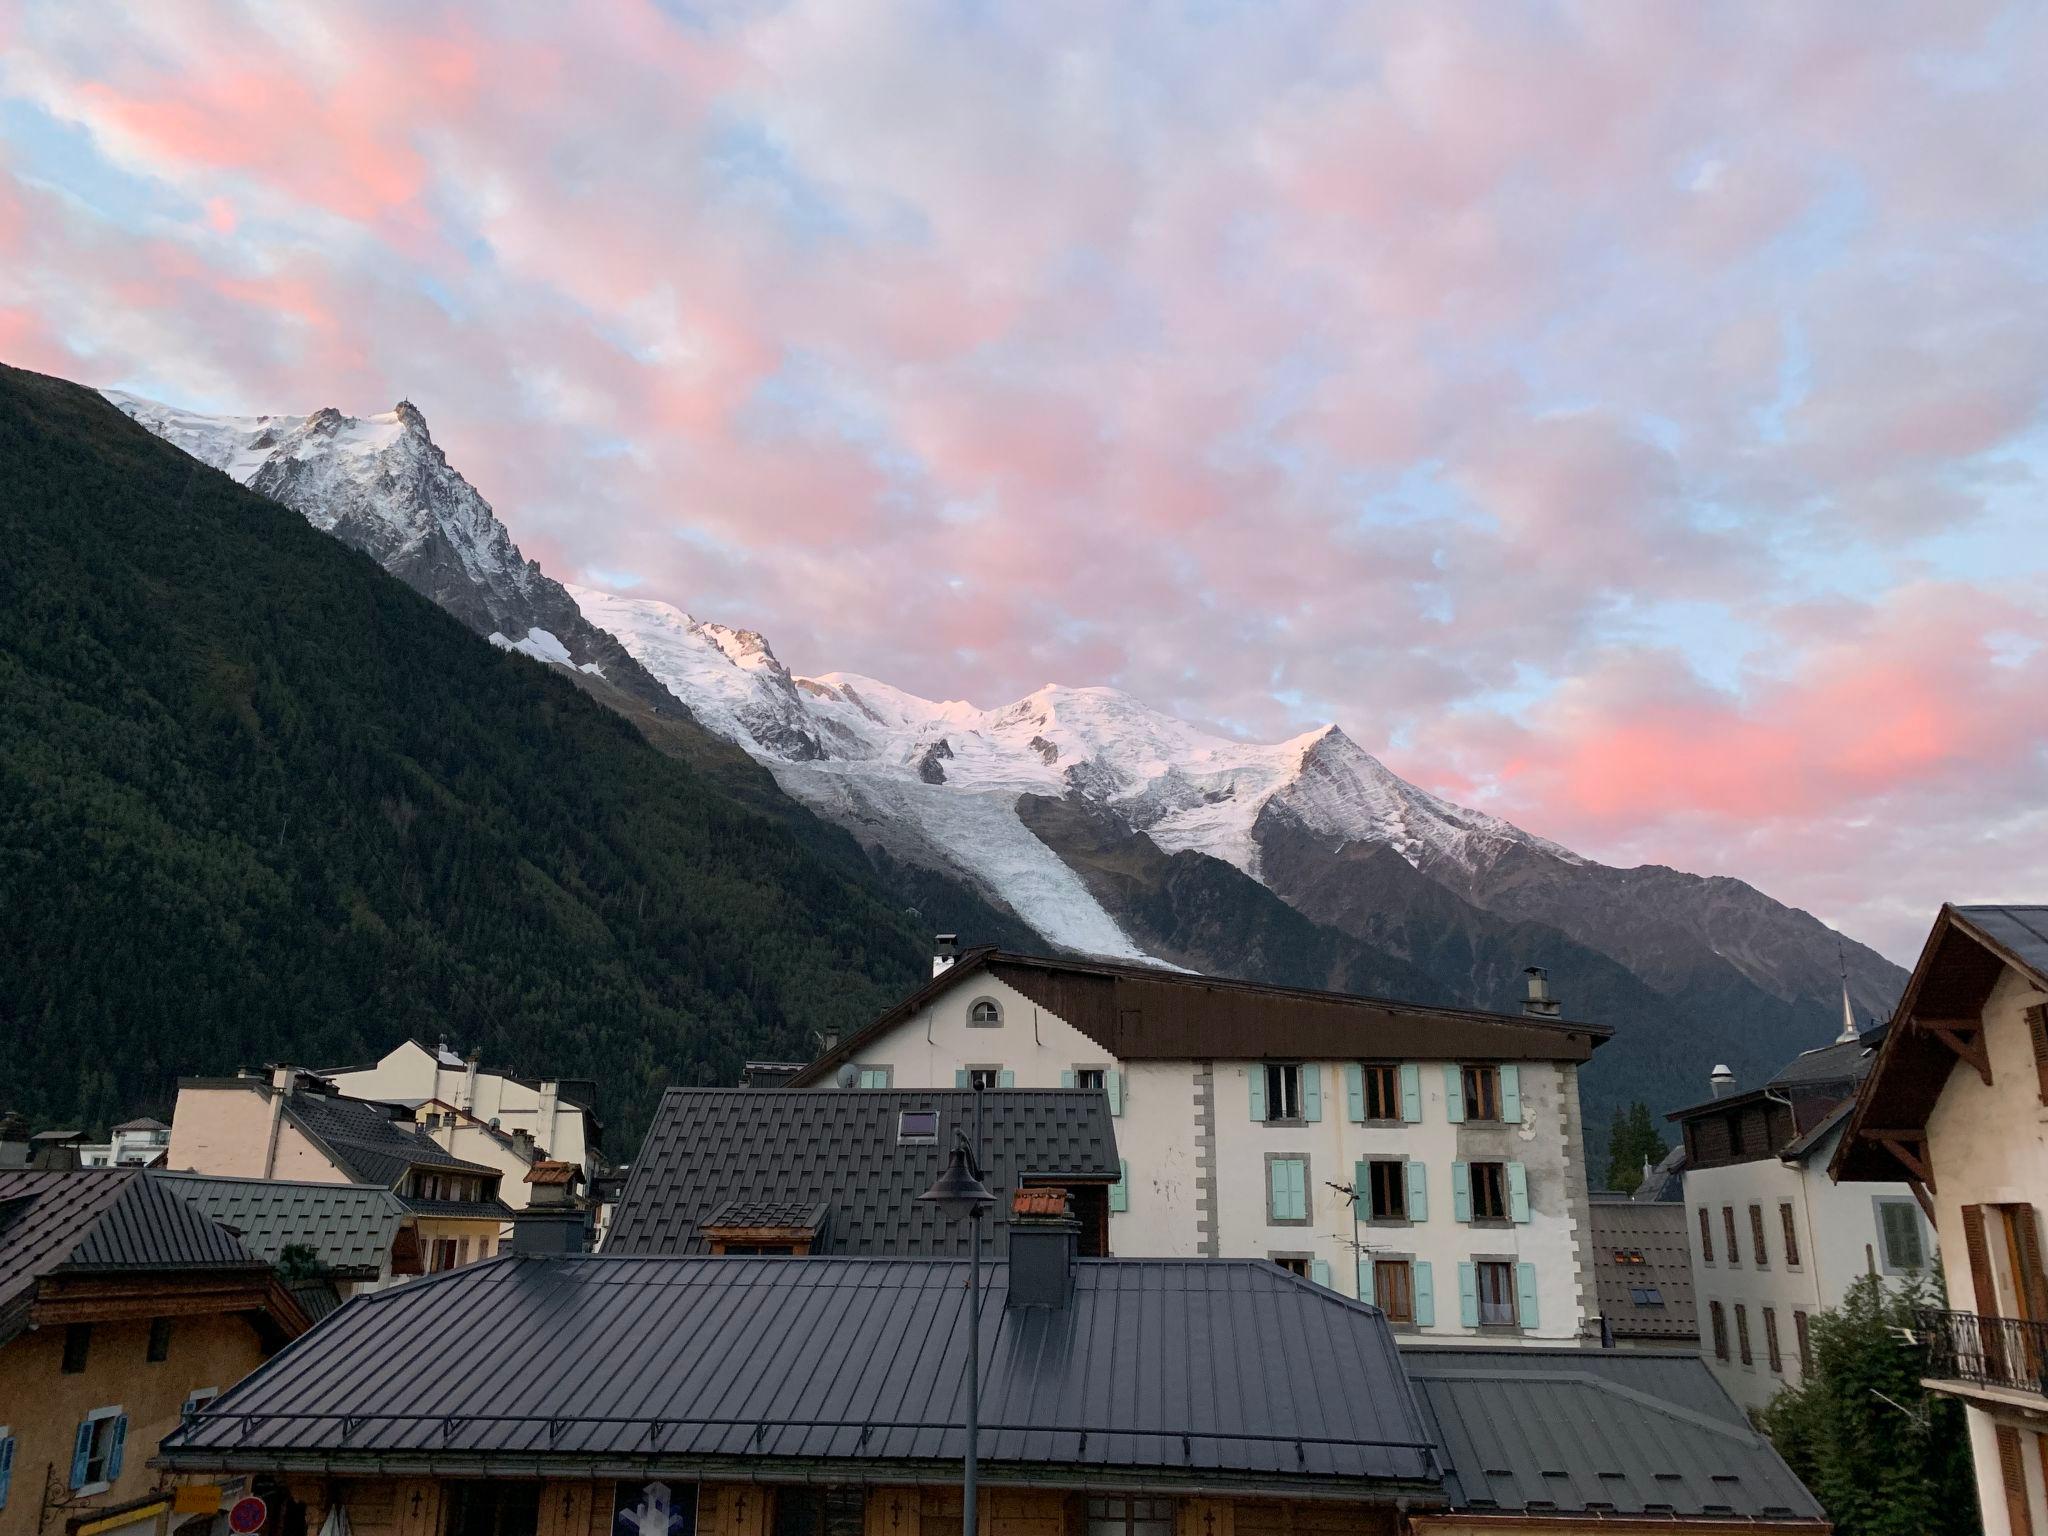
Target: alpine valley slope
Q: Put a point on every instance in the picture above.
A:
(1694, 969)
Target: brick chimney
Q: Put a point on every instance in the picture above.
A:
(1539, 1004)
(556, 1218)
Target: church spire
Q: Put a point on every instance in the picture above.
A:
(1849, 1029)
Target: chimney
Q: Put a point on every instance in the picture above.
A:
(466, 1099)
(281, 1080)
(13, 1140)
(945, 952)
(555, 1219)
(1721, 1080)
(1539, 1004)
(1043, 1239)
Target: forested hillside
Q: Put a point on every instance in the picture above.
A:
(260, 801)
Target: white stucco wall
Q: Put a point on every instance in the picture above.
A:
(1160, 1135)
(226, 1131)
(409, 1071)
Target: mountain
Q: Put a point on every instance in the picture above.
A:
(1116, 829)
(260, 801)
(382, 485)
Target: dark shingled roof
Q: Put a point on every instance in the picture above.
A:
(708, 1146)
(769, 1213)
(1640, 1246)
(1599, 1433)
(1180, 1370)
(371, 1146)
(349, 1227)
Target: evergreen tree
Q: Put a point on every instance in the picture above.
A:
(1632, 1140)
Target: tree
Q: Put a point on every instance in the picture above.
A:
(1632, 1140)
(1884, 1456)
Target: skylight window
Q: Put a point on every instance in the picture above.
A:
(918, 1127)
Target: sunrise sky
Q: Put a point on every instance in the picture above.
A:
(1625, 418)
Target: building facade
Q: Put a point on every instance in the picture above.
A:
(1773, 1239)
(134, 1144)
(1427, 1160)
(1957, 1106)
(557, 1115)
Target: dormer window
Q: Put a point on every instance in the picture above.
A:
(918, 1127)
(985, 1013)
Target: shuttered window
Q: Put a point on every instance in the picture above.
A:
(1706, 1236)
(1898, 1225)
(2023, 1241)
(1759, 1250)
(1771, 1354)
(1720, 1322)
(1979, 1251)
(1742, 1334)
(2037, 1031)
(1287, 1190)
(2012, 1471)
(1393, 1289)
(1728, 1223)
(1801, 1332)
(1387, 1190)
(1791, 1229)
(1382, 1088)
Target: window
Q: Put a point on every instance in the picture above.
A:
(875, 1077)
(1742, 1334)
(1482, 1092)
(1805, 1341)
(1898, 1225)
(1393, 1289)
(441, 1255)
(1286, 1190)
(984, 1077)
(918, 1127)
(1728, 1225)
(829, 1511)
(493, 1507)
(1382, 1093)
(159, 1341)
(198, 1398)
(1130, 1517)
(1496, 1294)
(1489, 1191)
(96, 1453)
(1283, 1091)
(1091, 1078)
(1791, 1230)
(1646, 1295)
(1758, 1250)
(1294, 1263)
(1777, 1360)
(1388, 1190)
(2012, 1471)
(1629, 1256)
(985, 1013)
(77, 1347)
(1720, 1322)
(1706, 1236)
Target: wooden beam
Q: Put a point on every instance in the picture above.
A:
(1911, 1156)
(1925, 1200)
(1966, 1038)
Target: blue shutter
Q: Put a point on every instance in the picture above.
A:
(1354, 1092)
(1311, 1092)
(1319, 1271)
(1411, 1092)
(1365, 1291)
(1454, 1094)
(1006, 1079)
(1276, 1189)
(1418, 1191)
(1114, 1083)
(961, 1080)
(1425, 1295)
(1525, 1296)
(121, 1439)
(6, 1468)
(1511, 1093)
(1120, 1191)
(1361, 1186)
(1468, 1295)
(81, 1453)
(1461, 1192)
(1258, 1075)
(1067, 1078)
(1518, 1192)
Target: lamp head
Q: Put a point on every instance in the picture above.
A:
(958, 1194)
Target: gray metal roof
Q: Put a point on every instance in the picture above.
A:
(770, 1213)
(2022, 930)
(1598, 1432)
(349, 1227)
(1845, 1061)
(372, 1147)
(465, 1210)
(708, 1146)
(1642, 1269)
(1178, 1370)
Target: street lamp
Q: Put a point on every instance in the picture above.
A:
(959, 1195)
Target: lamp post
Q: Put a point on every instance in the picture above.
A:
(959, 1194)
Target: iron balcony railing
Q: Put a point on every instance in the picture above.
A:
(1986, 1351)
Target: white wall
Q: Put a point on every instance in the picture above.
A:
(1160, 1137)
(410, 1071)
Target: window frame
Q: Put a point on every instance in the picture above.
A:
(1742, 1344)
(993, 1072)
(975, 1007)
(1484, 1077)
(1504, 1215)
(158, 1349)
(1100, 1074)
(1280, 1077)
(108, 1416)
(1773, 1355)
(77, 1349)
(1299, 1263)
(1802, 1331)
(1507, 1267)
(1398, 1178)
(1878, 1206)
(1405, 1268)
(1307, 1216)
(1372, 1073)
(196, 1401)
(1128, 1522)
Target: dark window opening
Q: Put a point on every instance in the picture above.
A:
(1742, 1334)
(159, 1340)
(493, 1508)
(1283, 1092)
(77, 1347)
(985, 1077)
(1388, 1194)
(1382, 1093)
(1646, 1295)
(1293, 1263)
(833, 1511)
(1130, 1517)
(1489, 1191)
(1482, 1093)
(1089, 1077)
(1728, 1223)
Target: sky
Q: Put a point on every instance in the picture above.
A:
(1628, 419)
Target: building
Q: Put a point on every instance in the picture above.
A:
(1642, 1273)
(294, 1126)
(134, 1144)
(356, 1237)
(1774, 1239)
(1956, 1106)
(1249, 1114)
(558, 1115)
(725, 1170)
(122, 1309)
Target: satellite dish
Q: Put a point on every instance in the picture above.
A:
(849, 1075)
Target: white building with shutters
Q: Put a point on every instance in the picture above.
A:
(1426, 1159)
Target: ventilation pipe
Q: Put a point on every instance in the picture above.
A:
(945, 952)
(1722, 1079)
(1539, 1004)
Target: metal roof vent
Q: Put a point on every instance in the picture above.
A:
(1722, 1079)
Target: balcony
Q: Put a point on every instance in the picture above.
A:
(2001, 1354)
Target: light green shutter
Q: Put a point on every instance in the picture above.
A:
(1311, 1092)
(1461, 1192)
(1425, 1295)
(1120, 1191)
(1114, 1083)
(1319, 1271)
(1511, 1093)
(1418, 1191)
(1361, 1182)
(1006, 1079)
(960, 1079)
(1354, 1092)
(1525, 1297)
(1289, 1180)
(1365, 1291)
(1518, 1192)
(1468, 1295)
(1411, 1092)
(1067, 1078)
(1258, 1077)
(1454, 1094)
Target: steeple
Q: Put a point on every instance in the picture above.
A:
(1849, 1029)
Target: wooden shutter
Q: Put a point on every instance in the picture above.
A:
(1066, 1078)
(1006, 1079)
(2026, 1232)
(1418, 1191)
(1454, 1094)
(1706, 1236)
(1425, 1294)
(961, 1080)
(1984, 1292)
(1762, 1254)
(1777, 1360)
(6, 1468)
(1411, 1092)
(116, 1448)
(1800, 1329)
(1728, 1223)
(1354, 1091)
(1511, 1093)
(1319, 1272)
(1720, 1321)
(1791, 1226)
(81, 1453)
(2037, 1031)
(2012, 1470)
